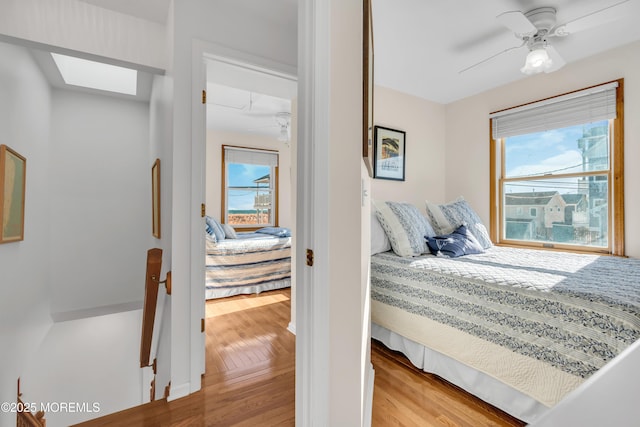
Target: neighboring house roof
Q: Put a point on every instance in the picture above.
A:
(529, 198)
(573, 199)
(262, 179)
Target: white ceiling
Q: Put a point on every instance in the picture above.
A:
(421, 45)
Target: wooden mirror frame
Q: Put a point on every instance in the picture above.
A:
(367, 86)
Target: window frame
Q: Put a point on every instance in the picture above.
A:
(615, 187)
(276, 189)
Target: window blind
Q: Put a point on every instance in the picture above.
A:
(250, 156)
(585, 106)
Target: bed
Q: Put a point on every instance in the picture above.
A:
(518, 328)
(248, 263)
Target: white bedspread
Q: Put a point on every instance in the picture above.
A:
(539, 321)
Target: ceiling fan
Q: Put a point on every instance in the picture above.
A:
(282, 122)
(538, 25)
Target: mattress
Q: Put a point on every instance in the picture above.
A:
(540, 322)
(253, 263)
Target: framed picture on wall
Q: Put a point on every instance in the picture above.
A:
(155, 194)
(389, 154)
(13, 174)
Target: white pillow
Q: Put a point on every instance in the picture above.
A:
(379, 240)
(405, 226)
(448, 217)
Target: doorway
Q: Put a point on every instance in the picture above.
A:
(250, 108)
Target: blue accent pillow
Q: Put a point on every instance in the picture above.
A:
(215, 227)
(460, 242)
(275, 231)
(446, 218)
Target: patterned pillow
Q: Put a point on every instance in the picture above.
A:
(405, 226)
(216, 227)
(446, 218)
(211, 237)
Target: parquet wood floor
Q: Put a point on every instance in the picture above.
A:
(250, 379)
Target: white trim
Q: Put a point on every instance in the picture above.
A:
(368, 398)
(198, 196)
(178, 391)
(555, 99)
(292, 328)
(312, 294)
(217, 52)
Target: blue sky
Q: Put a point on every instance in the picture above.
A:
(544, 152)
(243, 175)
(554, 151)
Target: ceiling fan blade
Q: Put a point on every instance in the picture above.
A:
(556, 60)
(491, 57)
(517, 22)
(594, 19)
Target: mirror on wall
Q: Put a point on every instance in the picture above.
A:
(367, 87)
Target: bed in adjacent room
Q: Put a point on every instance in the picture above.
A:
(519, 328)
(246, 263)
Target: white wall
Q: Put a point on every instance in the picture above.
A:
(467, 128)
(215, 141)
(24, 283)
(424, 124)
(87, 225)
(87, 361)
(100, 200)
(346, 316)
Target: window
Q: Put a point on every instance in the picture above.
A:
(250, 187)
(561, 159)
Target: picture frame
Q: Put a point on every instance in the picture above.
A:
(155, 199)
(389, 154)
(367, 87)
(13, 175)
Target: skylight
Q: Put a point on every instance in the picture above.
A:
(96, 75)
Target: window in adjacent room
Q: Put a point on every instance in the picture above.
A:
(250, 187)
(561, 161)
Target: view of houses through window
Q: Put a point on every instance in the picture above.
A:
(556, 186)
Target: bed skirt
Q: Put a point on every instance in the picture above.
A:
(477, 383)
(212, 293)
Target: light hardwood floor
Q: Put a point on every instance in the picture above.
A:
(250, 379)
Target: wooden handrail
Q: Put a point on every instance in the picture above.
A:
(154, 265)
(24, 417)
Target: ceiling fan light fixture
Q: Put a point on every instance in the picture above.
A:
(537, 61)
(283, 119)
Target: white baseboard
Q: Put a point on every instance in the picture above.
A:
(146, 377)
(292, 328)
(368, 403)
(176, 392)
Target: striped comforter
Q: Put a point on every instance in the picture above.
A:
(539, 321)
(250, 264)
